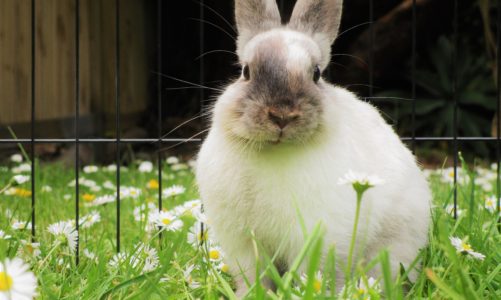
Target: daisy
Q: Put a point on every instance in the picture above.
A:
(179, 167)
(450, 210)
(141, 212)
(145, 167)
(18, 225)
(463, 247)
(67, 197)
(117, 260)
(111, 168)
(90, 219)
(17, 158)
(95, 188)
(90, 169)
(65, 234)
(4, 236)
(90, 255)
(172, 160)
(364, 288)
(16, 280)
(189, 278)
(145, 256)
(166, 221)
(102, 200)
(224, 268)
(20, 179)
(198, 214)
(360, 181)
(29, 249)
(46, 189)
(22, 168)
(192, 163)
(317, 281)
(215, 254)
(447, 175)
(129, 192)
(195, 236)
(109, 185)
(10, 191)
(491, 204)
(173, 191)
(153, 184)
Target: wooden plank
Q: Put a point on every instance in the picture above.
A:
(15, 58)
(55, 55)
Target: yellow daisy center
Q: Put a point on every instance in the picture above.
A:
(153, 184)
(214, 254)
(23, 193)
(451, 174)
(225, 268)
(133, 192)
(6, 282)
(489, 203)
(466, 246)
(88, 197)
(317, 285)
(166, 221)
(202, 237)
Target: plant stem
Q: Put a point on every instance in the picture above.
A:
(353, 236)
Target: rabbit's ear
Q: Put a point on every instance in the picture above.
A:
(320, 19)
(253, 17)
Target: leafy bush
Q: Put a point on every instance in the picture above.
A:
(435, 96)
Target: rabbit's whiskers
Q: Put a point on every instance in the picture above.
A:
(215, 26)
(191, 138)
(219, 15)
(191, 83)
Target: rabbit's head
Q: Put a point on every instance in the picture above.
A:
(279, 95)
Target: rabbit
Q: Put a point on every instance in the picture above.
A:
(280, 138)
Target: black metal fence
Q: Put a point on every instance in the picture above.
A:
(162, 140)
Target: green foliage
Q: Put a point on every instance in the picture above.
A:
(475, 94)
(446, 273)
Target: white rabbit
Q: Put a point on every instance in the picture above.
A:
(280, 139)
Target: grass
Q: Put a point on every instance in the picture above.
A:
(187, 271)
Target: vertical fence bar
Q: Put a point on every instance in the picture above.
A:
(159, 95)
(117, 116)
(201, 74)
(33, 87)
(414, 43)
(202, 50)
(498, 107)
(77, 116)
(455, 99)
(371, 48)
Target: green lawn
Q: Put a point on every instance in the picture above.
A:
(172, 265)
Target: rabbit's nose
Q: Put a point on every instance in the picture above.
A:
(282, 118)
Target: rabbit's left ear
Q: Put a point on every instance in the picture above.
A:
(320, 19)
(253, 17)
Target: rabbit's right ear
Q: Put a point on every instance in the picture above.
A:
(253, 17)
(319, 19)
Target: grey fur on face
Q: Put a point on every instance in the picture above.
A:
(277, 90)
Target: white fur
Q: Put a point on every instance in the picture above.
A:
(266, 190)
(260, 191)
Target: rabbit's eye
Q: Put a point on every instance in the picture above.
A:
(316, 74)
(246, 72)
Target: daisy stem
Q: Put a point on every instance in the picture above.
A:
(6, 188)
(353, 236)
(56, 245)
